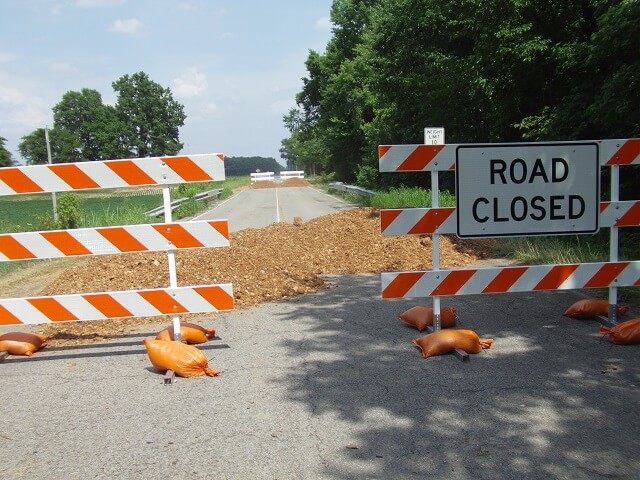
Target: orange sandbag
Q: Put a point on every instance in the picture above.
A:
(624, 333)
(590, 307)
(22, 343)
(189, 333)
(443, 341)
(184, 360)
(421, 317)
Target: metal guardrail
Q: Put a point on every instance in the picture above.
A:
(341, 187)
(176, 203)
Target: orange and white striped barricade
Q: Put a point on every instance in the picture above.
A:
(474, 281)
(113, 240)
(421, 157)
(426, 221)
(168, 236)
(435, 221)
(159, 171)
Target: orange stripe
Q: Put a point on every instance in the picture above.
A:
(122, 239)
(504, 280)
(604, 206)
(53, 310)
(453, 282)
(8, 318)
(400, 285)
(64, 242)
(382, 149)
(430, 222)
(387, 217)
(631, 218)
(216, 296)
(73, 176)
(130, 172)
(13, 249)
(556, 276)
(222, 226)
(420, 157)
(18, 181)
(187, 169)
(220, 156)
(107, 305)
(177, 235)
(627, 153)
(606, 274)
(163, 301)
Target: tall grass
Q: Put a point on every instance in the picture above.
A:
(101, 208)
(405, 197)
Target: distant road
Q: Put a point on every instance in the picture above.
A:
(261, 207)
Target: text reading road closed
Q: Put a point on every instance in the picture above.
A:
(526, 189)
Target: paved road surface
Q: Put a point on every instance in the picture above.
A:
(257, 208)
(328, 386)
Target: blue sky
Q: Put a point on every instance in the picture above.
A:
(236, 66)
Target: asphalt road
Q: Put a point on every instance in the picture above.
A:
(257, 208)
(328, 386)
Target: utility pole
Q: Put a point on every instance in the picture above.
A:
(53, 194)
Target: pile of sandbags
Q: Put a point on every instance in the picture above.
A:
(22, 343)
(591, 308)
(181, 357)
(185, 360)
(442, 341)
(624, 333)
(190, 333)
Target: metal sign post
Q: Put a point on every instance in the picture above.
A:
(435, 136)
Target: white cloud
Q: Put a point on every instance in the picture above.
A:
(7, 57)
(324, 23)
(60, 67)
(190, 84)
(98, 3)
(26, 111)
(131, 26)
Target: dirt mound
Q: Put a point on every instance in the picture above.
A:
(294, 182)
(289, 182)
(272, 263)
(263, 184)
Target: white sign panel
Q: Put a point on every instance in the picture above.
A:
(434, 136)
(527, 189)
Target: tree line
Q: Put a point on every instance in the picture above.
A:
(244, 166)
(144, 122)
(485, 70)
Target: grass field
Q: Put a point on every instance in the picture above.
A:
(24, 213)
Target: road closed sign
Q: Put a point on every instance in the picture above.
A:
(527, 189)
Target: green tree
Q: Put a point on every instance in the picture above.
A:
(94, 124)
(5, 155)
(149, 116)
(33, 147)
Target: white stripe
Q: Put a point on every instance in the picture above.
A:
(94, 242)
(79, 307)
(24, 311)
(101, 174)
(608, 149)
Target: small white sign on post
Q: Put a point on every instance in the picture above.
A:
(434, 136)
(527, 189)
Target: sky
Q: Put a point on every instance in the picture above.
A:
(236, 66)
